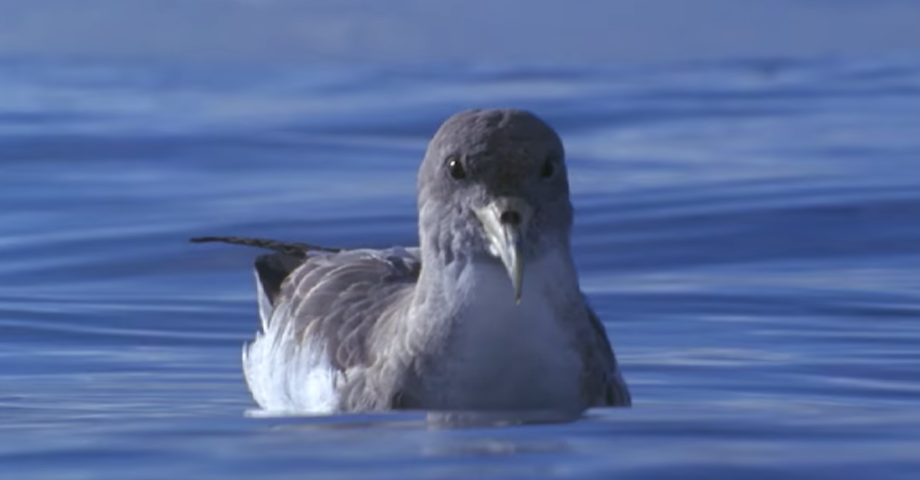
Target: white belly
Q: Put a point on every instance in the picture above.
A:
(510, 356)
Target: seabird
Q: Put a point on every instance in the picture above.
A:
(486, 314)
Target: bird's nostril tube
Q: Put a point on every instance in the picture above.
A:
(510, 217)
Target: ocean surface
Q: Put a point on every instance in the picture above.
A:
(749, 232)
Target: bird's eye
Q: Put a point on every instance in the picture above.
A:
(455, 167)
(549, 168)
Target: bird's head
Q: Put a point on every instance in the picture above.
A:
(493, 185)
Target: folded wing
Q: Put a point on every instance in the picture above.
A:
(318, 308)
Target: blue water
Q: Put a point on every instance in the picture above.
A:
(749, 231)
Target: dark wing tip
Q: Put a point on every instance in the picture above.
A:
(272, 269)
(289, 248)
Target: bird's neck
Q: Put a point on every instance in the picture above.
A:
(467, 284)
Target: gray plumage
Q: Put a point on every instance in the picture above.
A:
(486, 314)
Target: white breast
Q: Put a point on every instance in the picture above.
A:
(512, 356)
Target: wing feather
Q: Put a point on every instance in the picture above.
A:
(319, 307)
(603, 371)
(319, 326)
(337, 298)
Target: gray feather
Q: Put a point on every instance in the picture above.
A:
(338, 298)
(606, 383)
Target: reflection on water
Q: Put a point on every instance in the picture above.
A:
(433, 420)
(498, 418)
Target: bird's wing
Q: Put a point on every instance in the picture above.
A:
(337, 298)
(319, 308)
(608, 386)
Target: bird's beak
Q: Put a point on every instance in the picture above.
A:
(504, 222)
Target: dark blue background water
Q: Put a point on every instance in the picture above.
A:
(748, 231)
